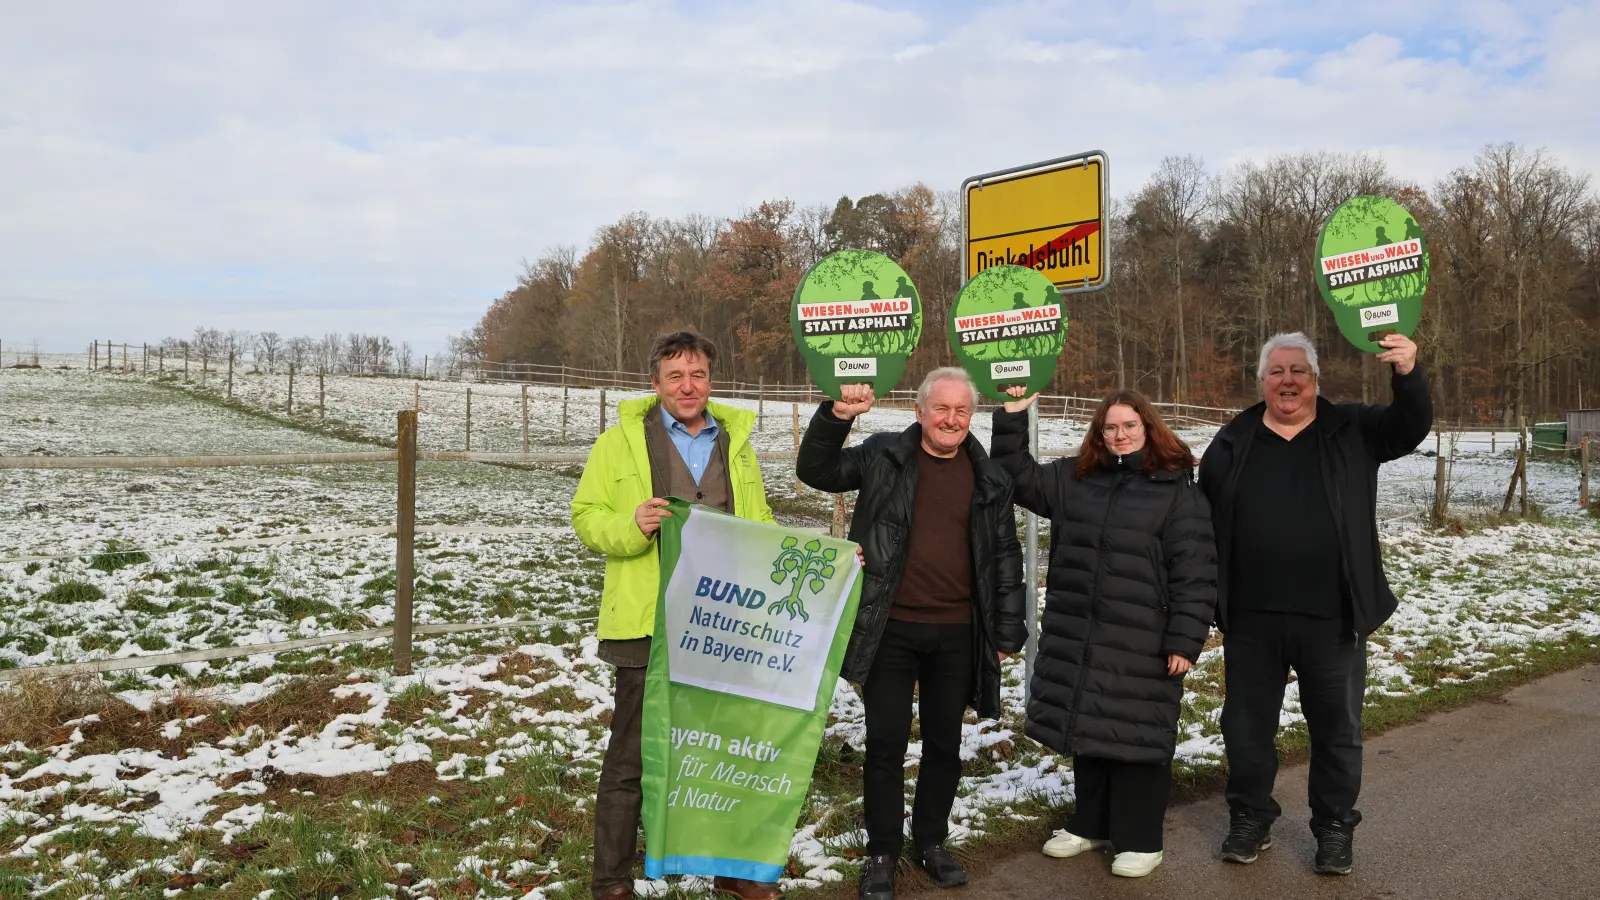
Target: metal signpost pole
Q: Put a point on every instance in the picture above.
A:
(1052, 207)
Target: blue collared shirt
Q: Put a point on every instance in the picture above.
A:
(696, 449)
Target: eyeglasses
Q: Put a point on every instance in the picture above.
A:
(1130, 429)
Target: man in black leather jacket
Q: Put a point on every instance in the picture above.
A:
(941, 603)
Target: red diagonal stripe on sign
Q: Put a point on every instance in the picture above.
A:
(1072, 236)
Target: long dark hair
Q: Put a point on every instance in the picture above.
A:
(1162, 448)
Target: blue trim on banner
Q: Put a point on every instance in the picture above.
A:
(712, 866)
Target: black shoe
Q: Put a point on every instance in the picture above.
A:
(941, 866)
(1335, 854)
(1246, 838)
(877, 878)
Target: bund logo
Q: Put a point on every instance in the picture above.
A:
(811, 563)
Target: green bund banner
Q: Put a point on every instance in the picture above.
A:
(1372, 269)
(751, 628)
(856, 318)
(1007, 326)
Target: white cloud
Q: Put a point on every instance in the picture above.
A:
(308, 167)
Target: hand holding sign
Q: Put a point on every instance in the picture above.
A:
(1400, 351)
(1021, 403)
(855, 399)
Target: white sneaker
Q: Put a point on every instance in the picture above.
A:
(1135, 865)
(1064, 844)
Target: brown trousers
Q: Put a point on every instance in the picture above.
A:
(619, 799)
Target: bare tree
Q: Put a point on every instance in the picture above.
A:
(207, 342)
(329, 351)
(238, 342)
(268, 345)
(1180, 194)
(302, 351)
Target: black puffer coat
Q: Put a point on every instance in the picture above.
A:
(884, 469)
(1133, 579)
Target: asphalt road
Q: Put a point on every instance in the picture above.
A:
(1497, 800)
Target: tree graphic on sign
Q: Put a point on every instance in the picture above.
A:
(812, 563)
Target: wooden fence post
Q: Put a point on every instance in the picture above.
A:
(524, 418)
(288, 407)
(416, 396)
(124, 356)
(1524, 467)
(1583, 477)
(161, 360)
(602, 410)
(322, 395)
(205, 367)
(469, 420)
(1491, 442)
(761, 404)
(1440, 504)
(146, 364)
(838, 516)
(795, 408)
(564, 398)
(424, 367)
(405, 523)
(230, 374)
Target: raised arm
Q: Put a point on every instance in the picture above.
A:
(1034, 487)
(825, 463)
(1395, 430)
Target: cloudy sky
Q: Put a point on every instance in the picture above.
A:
(383, 167)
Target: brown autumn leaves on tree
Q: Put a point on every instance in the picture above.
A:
(1205, 266)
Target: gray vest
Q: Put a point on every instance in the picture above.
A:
(670, 475)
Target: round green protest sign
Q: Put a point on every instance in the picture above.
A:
(1007, 327)
(1372, 267)
(856, 318)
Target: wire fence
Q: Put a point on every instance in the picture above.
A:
(1451, 447)
(404, 532)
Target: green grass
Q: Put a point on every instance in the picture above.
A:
(72, 592)
(190, 589)
(116, 556)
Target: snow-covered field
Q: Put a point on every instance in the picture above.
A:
(319, 773)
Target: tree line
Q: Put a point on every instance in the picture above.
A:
(1204, 267)
(271, 352)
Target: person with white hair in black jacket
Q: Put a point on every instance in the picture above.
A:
(1293, 484)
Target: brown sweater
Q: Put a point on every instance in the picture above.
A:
(936, 587)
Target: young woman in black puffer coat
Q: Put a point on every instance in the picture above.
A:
(1128, 604)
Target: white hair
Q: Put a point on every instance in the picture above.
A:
(1292, 341)
(945, 373)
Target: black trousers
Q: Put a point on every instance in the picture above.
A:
(619, 799)
(936, 661)
(1125, 803)
(1330, 664)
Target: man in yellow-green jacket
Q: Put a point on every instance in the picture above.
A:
(676, 443)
